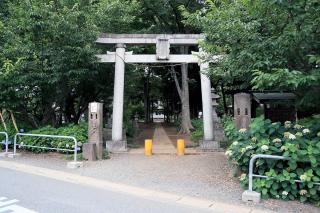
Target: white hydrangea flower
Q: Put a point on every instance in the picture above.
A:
(292, 137)
(303, 177)
(249, 147)
(228, 153)
(299, 134)
(243, 130)
(306, 131)
(235, 143)
(303, 192)
(254, 139)
(264, 147)
(285, 193)
(287, 124)
(67, 145)
(318, 134)
(243, 176)
(297, 126)
(243, 150)
(286, 134)
(276, 140)
(283, 148)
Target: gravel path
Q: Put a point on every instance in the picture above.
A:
(205, 175)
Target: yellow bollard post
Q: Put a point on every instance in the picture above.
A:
(180, 147)
(148, 147)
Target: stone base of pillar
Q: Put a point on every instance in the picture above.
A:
(99, 150)
(116, 146)
(92, 151)
(89, 151)
(74, 165)
(209, 145)
(11, 155)
(251, 196)
(5, 154)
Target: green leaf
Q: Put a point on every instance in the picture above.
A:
(313, 160)
(315, 179)
(292, 165)
(303, 199)
(264, 191)
(275, 186)
(313, 191)
(293, 175)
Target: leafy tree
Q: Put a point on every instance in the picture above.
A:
(47, 57)
(266, 44)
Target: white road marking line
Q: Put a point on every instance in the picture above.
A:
(9, 202)
(10, 206)
(16, 209)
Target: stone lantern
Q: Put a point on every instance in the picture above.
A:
(217, 127)
(214, 97)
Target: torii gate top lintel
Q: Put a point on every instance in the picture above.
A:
(162, 41)
(177, 39)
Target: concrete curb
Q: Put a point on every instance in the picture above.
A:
(132, 190)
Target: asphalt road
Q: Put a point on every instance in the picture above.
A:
(25, 193)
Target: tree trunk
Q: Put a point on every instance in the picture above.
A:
(69, 108)
(185, 104)
(183, 92)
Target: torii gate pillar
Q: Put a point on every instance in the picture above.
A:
(118, 143)
(117, 116)
(208, 143)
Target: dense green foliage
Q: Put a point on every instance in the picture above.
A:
(197, 133)
(48, 69)
(80, 132)
(300, 142)
(268, 44)
(47, 59)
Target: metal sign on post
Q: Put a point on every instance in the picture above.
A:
(94, 107)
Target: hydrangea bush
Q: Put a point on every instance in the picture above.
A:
(79, 131)
(299, 142)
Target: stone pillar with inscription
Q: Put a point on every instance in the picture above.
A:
(93, 150)
(242, 110)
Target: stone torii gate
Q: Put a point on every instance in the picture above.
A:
(162, 42)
